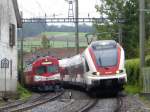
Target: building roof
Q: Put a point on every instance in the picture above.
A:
(17, 14)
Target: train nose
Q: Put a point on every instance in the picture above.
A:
(106, 68)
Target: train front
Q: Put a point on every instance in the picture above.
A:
(105, 65)
(46, 73)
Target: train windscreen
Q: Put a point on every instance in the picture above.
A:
(106, 56)
(52, 69)
(46, 69)
(40, 70)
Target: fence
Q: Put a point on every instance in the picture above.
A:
(146, 79)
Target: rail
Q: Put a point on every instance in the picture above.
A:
(32, 103)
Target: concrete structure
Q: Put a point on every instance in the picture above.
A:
(9, 21)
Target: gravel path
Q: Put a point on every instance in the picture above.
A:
(133, 104)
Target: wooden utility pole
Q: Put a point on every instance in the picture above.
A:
(76, 27)
(142, 32)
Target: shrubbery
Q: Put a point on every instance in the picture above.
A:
(133, 74)
(132, 69)
(23, 93)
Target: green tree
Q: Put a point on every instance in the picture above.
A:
(45, 42)
(128, 10)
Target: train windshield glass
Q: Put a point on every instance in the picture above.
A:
(106, 57)
(40, 70)
(52, 68)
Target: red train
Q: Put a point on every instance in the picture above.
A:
(43, 74)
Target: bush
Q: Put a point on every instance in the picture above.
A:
(147, 61)
(23, 93)
(132, 68)
(130, 89)
(133, 71)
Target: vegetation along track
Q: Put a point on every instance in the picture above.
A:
(29, 104)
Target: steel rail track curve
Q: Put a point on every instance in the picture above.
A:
(20, 102)
(33, 103)
(119, 104)
(89, 105)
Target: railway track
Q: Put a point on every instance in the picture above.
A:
(29, 104)
(108, 104)
(119, 104)
(80, 102)
(15, 103)
(79, 105)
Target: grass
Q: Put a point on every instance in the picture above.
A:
(132, 89)
(23, 93)
(145, 100)
(68, 34)
(60, 40)
(28, 44)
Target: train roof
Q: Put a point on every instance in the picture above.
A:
(103, 44)
(49, 59)
(72, 61)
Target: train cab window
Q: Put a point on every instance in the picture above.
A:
(106, 57)
(40, 70)
(52, 68)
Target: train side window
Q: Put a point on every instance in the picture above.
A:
(87, 66)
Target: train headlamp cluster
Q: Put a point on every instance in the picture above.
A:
(37, 78)
(96, 73)
(119, 71)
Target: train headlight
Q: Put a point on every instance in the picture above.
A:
(37, 78)
(96, 73)
(119, 71)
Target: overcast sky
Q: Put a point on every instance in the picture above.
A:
(37, 8)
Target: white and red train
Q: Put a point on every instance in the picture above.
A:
(43, 74)
(100, 66)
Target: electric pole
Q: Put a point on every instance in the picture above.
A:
(120, 27)
(21, 52)
(142, 32)
(120, 34)
(76, 27)
(70, 9)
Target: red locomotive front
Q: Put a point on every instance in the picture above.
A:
(43, 74)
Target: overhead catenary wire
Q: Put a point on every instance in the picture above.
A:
(40, 7)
